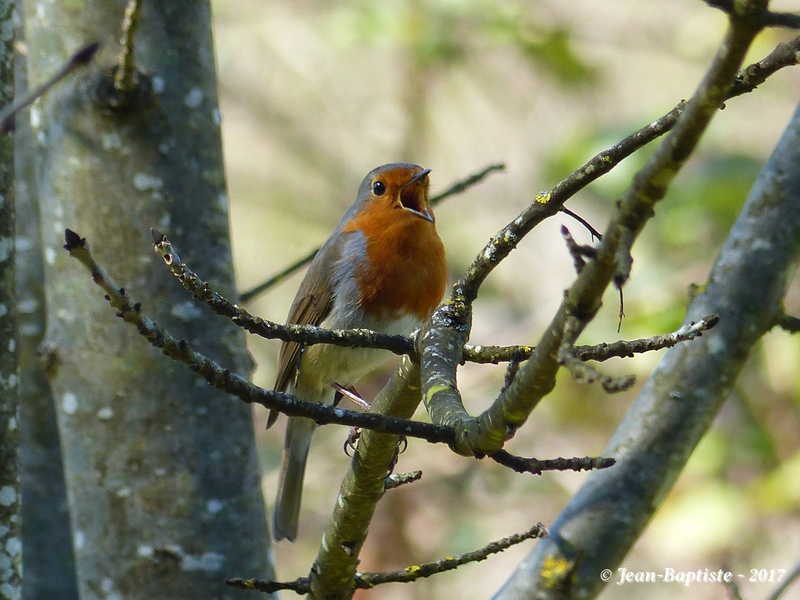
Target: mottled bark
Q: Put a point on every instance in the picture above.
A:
(46, 537)
(161, 470)
(10, 535)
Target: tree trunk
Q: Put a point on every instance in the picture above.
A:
(46, 535)
(10, 533)
(161, 470)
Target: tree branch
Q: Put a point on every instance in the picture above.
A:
(536, 378)
(125, 74)
(605, 350)
(223, 379)
(767, 19)
(407, 575)
(439, 376)
(81, 58)
(363, 486)
(125, 87)
(306, 334)
(682, 397)
(536, 466)
(788, 323)
(412, 573)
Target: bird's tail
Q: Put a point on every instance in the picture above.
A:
(290, 483)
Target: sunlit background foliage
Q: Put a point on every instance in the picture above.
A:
(314, 94)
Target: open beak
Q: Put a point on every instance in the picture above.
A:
(414, 196)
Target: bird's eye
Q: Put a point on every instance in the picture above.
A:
(379, 188)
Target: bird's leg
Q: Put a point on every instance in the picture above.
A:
(351, 394)
(352, 440)
(355, 432)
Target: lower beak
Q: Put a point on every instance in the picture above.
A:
(424, 208)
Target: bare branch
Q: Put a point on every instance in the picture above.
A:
(548, 203)
(125, 87)
(536, 466)
(586, 373)
(600, 352)
(81, 58)
(447, 331)
(299, 586)
(767, 18)
(493, 355)
(412, 573)
(306, 334)
(463, 185)
(682, 397)
(624, 348)
(278, 277)
(395, 480)
(363, 486)
(407, 575)
(788, 323)
(126, 74)
(596, 235)
(578, 252)
(223, 379)
(790, 578)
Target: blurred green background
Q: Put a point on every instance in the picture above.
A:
(315, 94)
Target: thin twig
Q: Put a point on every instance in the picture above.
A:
(627, 348)
(306, 334)
(359, 338)
(788, 580)
(278, 277)
(221, 378)
(125, 87)
(578, 252)
(81, 58)
(548, 203)
(125, 75)
(395, 480)
(788, 323)
(444, 335)
(464, 184)
(412, 573)
(600, 352)
(596, 235)
(300, 586)
(768, 18)
(585, 373)
(536, 466)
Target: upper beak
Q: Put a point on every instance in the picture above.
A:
(418, 177)
(419, 203)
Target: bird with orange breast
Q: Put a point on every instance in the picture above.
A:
(382, 269)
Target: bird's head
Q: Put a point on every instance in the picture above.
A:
(396, 186)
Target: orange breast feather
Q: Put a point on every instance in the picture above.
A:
(407, 271)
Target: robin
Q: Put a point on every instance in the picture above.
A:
(382, 269)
